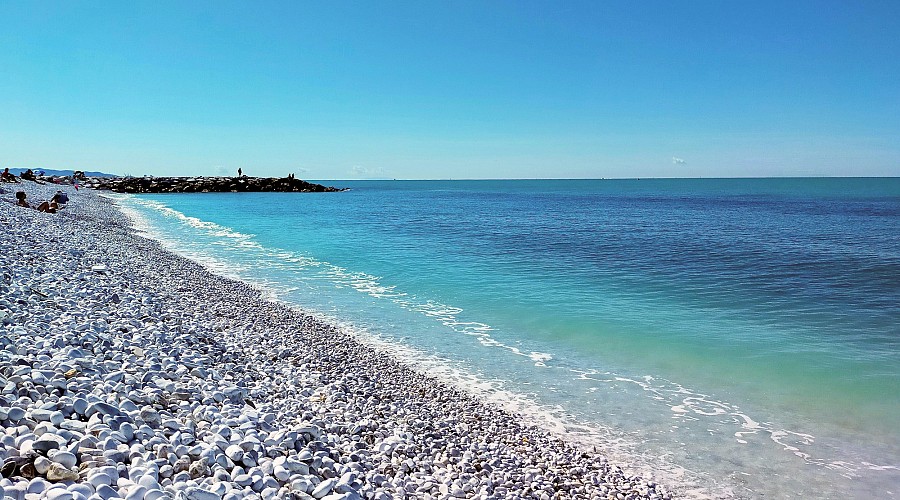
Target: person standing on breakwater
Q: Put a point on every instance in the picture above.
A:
(239, 172)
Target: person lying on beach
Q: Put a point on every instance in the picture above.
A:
(48, 206)
(28, 175)
(45, 206)
(7, 177)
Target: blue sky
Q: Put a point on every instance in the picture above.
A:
(482, 89)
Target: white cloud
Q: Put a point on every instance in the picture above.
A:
(365, 172)
(678, 161)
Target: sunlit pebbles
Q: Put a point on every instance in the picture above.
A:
(129, 372)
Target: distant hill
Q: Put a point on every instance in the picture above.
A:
(65, 173)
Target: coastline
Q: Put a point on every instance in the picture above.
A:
(198, 364)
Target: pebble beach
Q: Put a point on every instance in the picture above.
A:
(127, 371)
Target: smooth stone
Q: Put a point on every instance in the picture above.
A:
(235, 453)
(57, 418)
(45, 444)
(15, 414)
(296, 467)
(148, 481)
(42, 465)
(73, 425)
(156, 494)
(219, 489)
(324, 488)
(114, 456)
(166, 471)
(200, 494)
(281, 473)
(83, 489)
(40, 415)
(106, 492)
(76, 353)
(105, 409)
(80, 405)
(127, 430)
(37, 485)
(118, 436)
(99, 479)
(64, 458)
(136, 493)
(343, 496)
(59, 494)
(128, 406)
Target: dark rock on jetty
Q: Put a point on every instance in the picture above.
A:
(205, 185)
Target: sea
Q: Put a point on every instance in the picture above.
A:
(730, 338)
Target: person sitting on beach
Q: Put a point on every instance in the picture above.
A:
(60, 198)
(20, 199)
(28, 175)
(7, 177)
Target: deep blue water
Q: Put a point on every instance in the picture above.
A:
(735, 335)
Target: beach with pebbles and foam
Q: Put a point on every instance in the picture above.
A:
(129, 372)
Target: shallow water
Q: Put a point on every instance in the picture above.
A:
(737, 336)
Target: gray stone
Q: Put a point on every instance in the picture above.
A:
(136, 492)
(80, 405)
(46, 443)
(15, 414)
(59, 494)
(64, 458)
(200, 494)
(324, 488)
(40, 415)
(106, 492)
(104, 409)
(235, 453)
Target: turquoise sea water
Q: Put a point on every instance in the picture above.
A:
(736, 336)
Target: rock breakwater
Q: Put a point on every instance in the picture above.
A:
(127, 372)
(205, 185)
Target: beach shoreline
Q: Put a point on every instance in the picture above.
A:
(229, 395)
